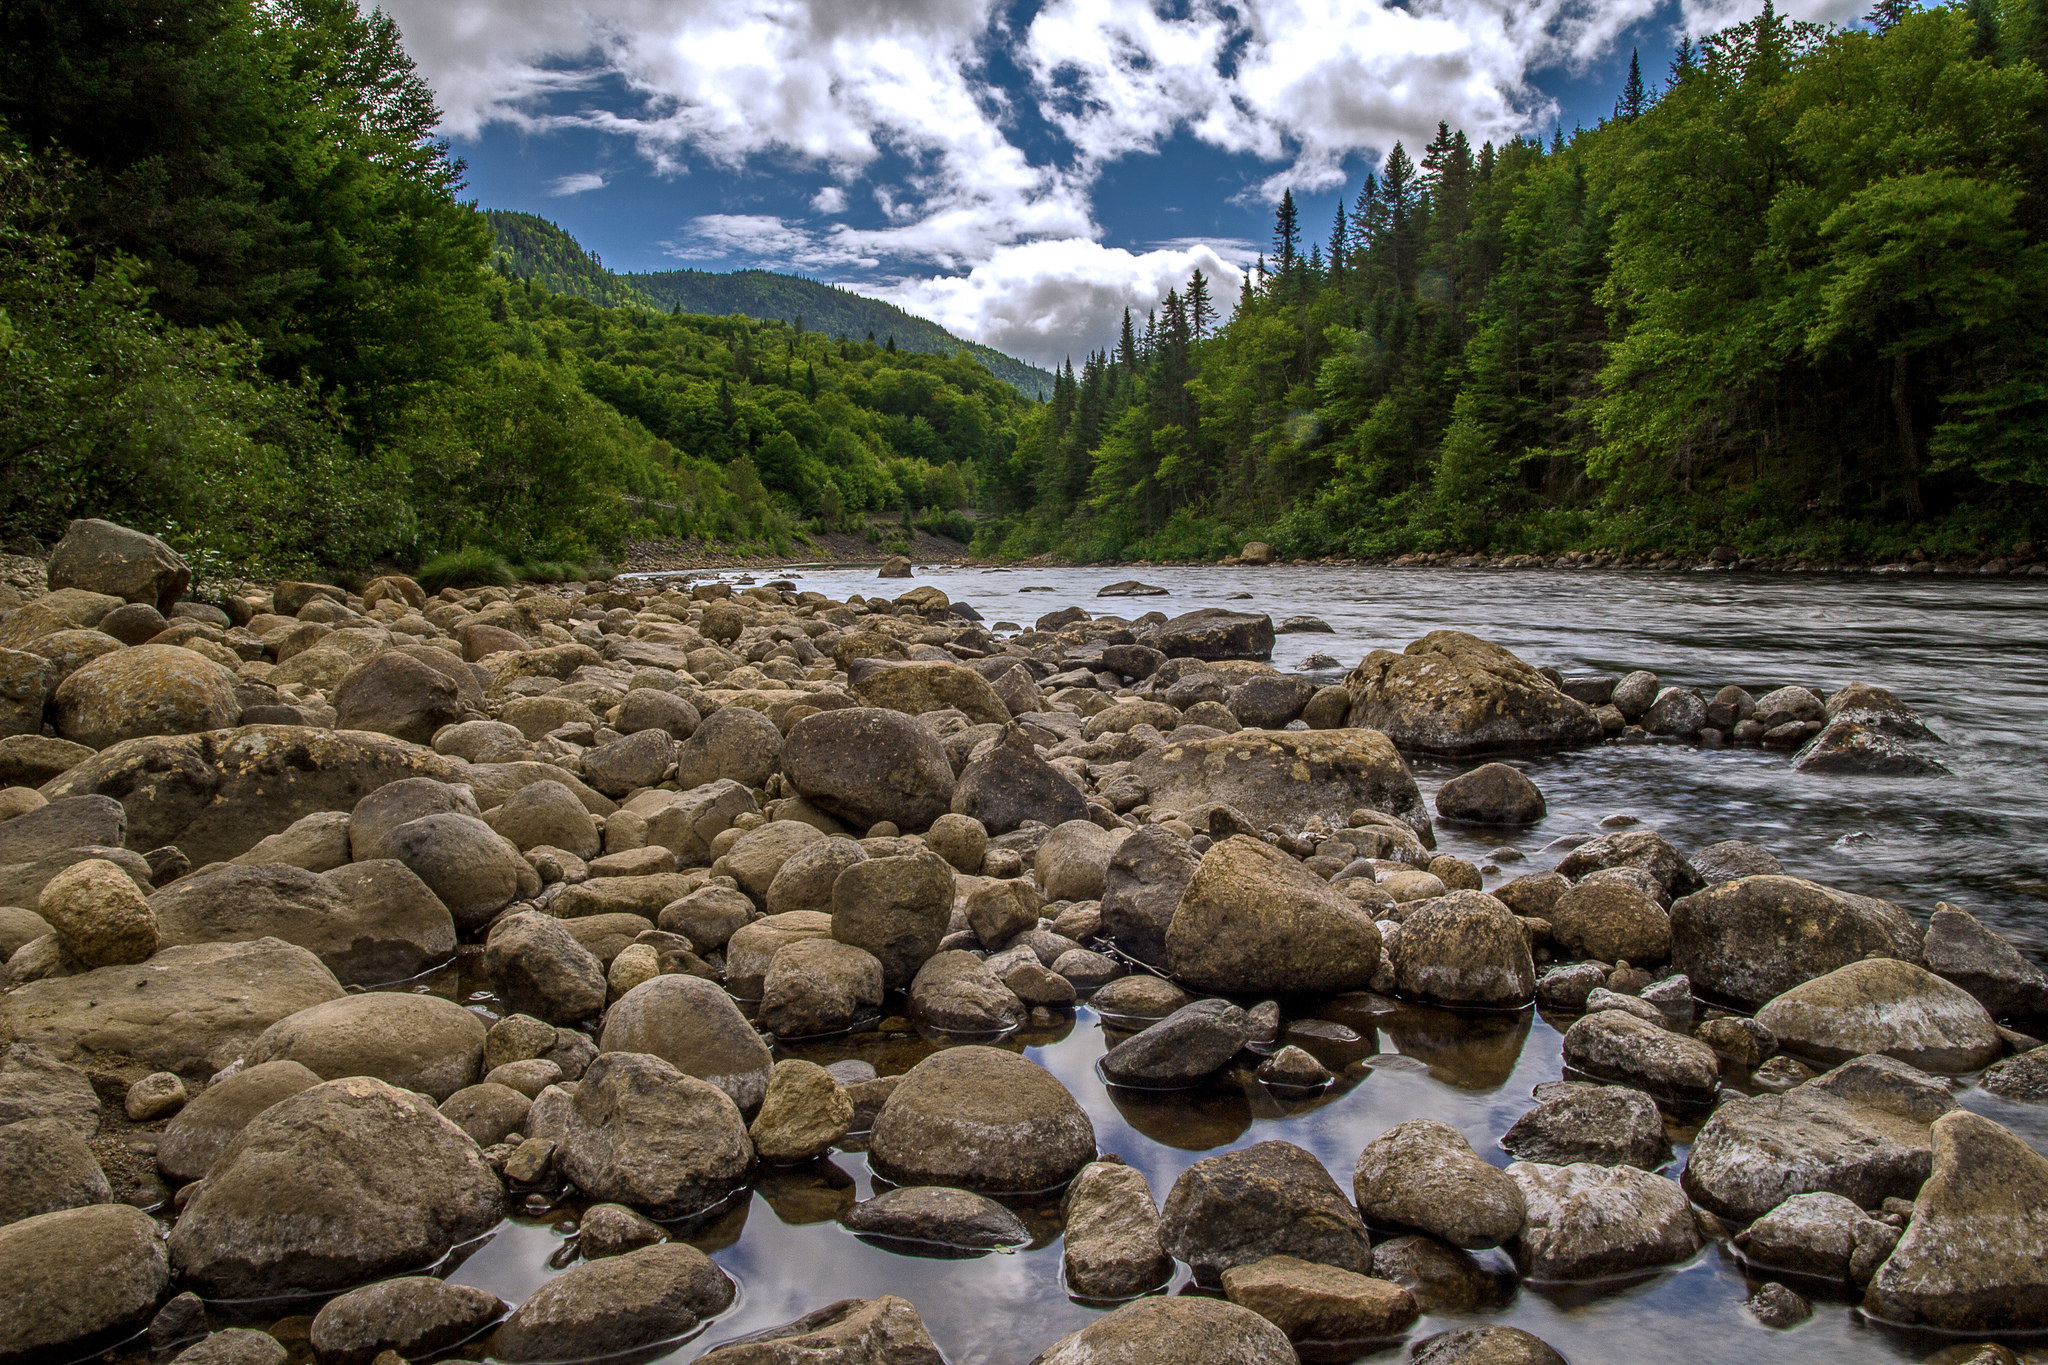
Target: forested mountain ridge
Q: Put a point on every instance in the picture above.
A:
(1790, 302)
(242, 306)
(536, 249)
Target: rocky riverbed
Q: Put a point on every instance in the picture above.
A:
(693, 969)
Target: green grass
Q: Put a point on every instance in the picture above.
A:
(563, 571)
(467, 568)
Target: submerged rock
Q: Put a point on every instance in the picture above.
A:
(1319, 1303)
(620, 1303)
(938, 1216)
(1590, 1221)
(642, 1133)
(1153, 1330)
(1484, 1346)
(415, 1315)
(879, 1331)
(1180, 1050)
(1604, 1125)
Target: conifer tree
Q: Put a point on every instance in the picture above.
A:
(1127, 346)
(1201, 310)
(1286, 234)
(1885, 15)
(1340, 243)
(1633, 99)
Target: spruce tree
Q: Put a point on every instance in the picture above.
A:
(1340, 243)
(1286, 234)
(1127, 345)
(1633, 99)
(1201, 311)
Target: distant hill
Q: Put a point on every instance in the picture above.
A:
(532, 248)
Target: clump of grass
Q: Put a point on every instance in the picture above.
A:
(563, 571)
(465, 568)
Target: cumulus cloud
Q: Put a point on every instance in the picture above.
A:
(579, 183)
(830, 199)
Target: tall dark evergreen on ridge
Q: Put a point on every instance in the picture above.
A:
(1794, 301)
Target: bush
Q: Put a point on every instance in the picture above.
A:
(465, 568)
(563, 571)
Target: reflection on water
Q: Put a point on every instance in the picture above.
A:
(1971, 655)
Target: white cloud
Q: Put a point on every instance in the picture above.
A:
(575, 184)
(830, 199)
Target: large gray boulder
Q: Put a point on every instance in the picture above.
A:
(867, 764)
(1283, 777)
(819, 986)
(474, 870)
(1424, 1175)
(1617, 1046)
(76, 1280)
(1607, 1125)
(1195, 1330)
(980, 1118)
(1181, 1050)
(194, 1139)
(547, 813)
(734, 743)
(640, 1132)
(696, 1028)
(348, 1181)
(1463, 950)
(65, 822)
(369, 922)
(1588, 1221)
(956, 992)
(1886, 1006)
(1752, 939)
(1962, 950)
(45, 1166)
(1455, 694)
(394, 694)
(35, 1085)
(1253, 921)
(1011, 784)
(106, 557)
(192, 1010)
(1271, 1199)
(421, 1043)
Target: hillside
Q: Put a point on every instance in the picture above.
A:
(532, 248)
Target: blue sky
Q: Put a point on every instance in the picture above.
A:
(1020, 172)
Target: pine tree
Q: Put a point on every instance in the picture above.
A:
(1201, 311)
(1368, 215)
(1633, 99)
(892, 344)
(1340, 243)
(1127, 346)
(1286, 234)
(1684, 61)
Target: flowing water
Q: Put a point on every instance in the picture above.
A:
(1970, 654)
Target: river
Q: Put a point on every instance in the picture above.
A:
(1970, 654)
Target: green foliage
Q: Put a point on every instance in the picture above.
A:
(1793, 303)
(470, 567)
(529, 247)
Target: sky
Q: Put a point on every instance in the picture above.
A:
(1019, 171)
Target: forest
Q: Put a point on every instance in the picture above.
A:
(243, 305)
(1789, 299)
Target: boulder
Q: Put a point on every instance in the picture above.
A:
(541, 969)
(879, 1331)
(1587, 1221)
(470, 867)
(614, 1305)
(2023, 1077)
(868, 764)
(805, 1113)
(34, 1085)
(415, 1042)
(1464, 949)
(1680, 712)
(202, 1130)
(1823, 1235)
(370, 922)
(1285, 777)
(1975, 1255)
(760, 853)
(752, 948)
(1860, 1131)
(74, 1281)
(1610, 922)
(819, 986)
(1858, 748)
(640, 1132)
(105, 557)
(734, 743)
(1142, 887)
(1073, 860)
(214, 795)
(1484, 1346)
(1455, 694)
(348, 1181)
(895, 908)
(147, 690)
(415, 1316)
(650, 708)
(45, 1165)
(981, 1119)
(1111, 1246)
(915, 688)
(1254, 921)
(233, 1346)
(693, 1026)
(1491, 794)
(1962, 950)
(613, 1230)
(956, 992)
(1196, 1331)
(1011, 784)
(1752, 939)
(99, 914)
(30, 760)
(372, 819)
(192, 1009)
(1423, 1175)
(1732, 858)
(317, 843)
(1604, 1125)
(805, 880)
(1181, 1050)
(1319, 1303)
(1270, 701)
(1614, 1045)
(62, 823)
(630, 764)
(26, 681)
(936, 1216)
(1270, 1199)
(1643, 850)
(1213, 633)
(394, 694)
(487, 1112)
(1882, 1005)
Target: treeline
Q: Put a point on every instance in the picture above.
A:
(242, 305)
(1791, 301)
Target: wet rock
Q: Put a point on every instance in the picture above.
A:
(938, 1216)
(1254, 921)
(1011, 784)
(1285, 777)
(879, 1331)
(1111, 1244)
(99, 914)
(819, 986)
(1617, 1046)
(804, 1114)
(1484, 1346)
(1568, 988)
(1777, 1306)
(1424, 1176)
(344, 1182)
(1213, 633)
(1138, 997)
(1733, 858)
(1271, 1199)
(540, 969)
(234, 1346)
(2024, 1077)
(1464, 949)
(147, 690)
(45, 1165)
(1453, 693)
(1975, 1256)
(1440, 1277)
(1885, 1006)
(613, 1230)
(1605, 1125)
(617, 1304)
(1678, 711)
(415, 1042)
(734, 744)
(370, 922)
(1291, 1070)
(642, 1133)
(194, 1140)
(894, 908)
(868, 764)
(1269, 702)
(1491, 794)
(192, 1010)
(1610, 922)
(1962, 950)
(1740, 1040)
(156, 1096)
(1642, 849)
(1177, 1329)
(1180, 1050)
(1588, 1221)
(1752, 939)
(105, 557)
(956, 992)
(981, 1119)
(394, 694)
(1851, 746)
(1860, 1131)
(1823, 1235)
(414, 1315)
(1319, 1303)
(76, 1279)
(693, 1026)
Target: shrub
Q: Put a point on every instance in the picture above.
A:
(465, 568)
